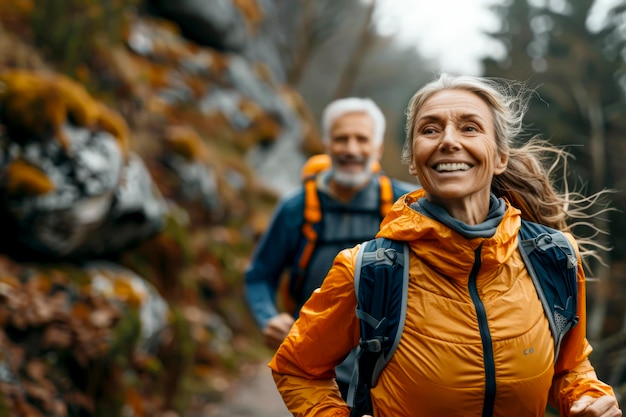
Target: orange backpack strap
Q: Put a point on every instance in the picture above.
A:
(386, 194)
(312, 216)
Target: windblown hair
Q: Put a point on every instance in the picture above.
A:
(530, 179)
(343, 106)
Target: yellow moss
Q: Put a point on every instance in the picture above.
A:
(10, 280)
(78, 103)
(186, 142)
(23, 178)
(123, 290)
(42, 103)
(40, 283)
(115, 124)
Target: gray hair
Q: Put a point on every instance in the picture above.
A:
(343, 106)
(533, 166)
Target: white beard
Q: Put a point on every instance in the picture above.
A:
(352, 179)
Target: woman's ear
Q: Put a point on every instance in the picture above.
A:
(412, 169)
(501, 164)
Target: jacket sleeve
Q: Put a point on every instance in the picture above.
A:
(275, 251)
(325, 332)
(574, 376)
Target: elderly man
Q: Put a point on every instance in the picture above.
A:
(351, 196)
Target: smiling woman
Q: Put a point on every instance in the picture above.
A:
(469, 355)
(455, 153)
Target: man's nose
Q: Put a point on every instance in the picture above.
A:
(352, 145)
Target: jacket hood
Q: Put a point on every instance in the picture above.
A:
(445, 249)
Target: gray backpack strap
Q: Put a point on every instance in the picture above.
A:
(381, 280)
(552, 265)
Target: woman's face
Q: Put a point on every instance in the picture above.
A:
(454, 151)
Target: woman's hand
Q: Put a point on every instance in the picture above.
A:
(587, 406)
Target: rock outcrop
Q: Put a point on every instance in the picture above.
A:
(132, 191)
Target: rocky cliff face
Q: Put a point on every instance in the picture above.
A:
(136, 174)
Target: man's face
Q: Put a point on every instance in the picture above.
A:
(352, 149)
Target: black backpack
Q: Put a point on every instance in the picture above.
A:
(381, 285)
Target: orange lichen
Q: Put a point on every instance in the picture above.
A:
(219, 62)
(41, 103)
(251, 10)
(25, 179)
(251, 109)
(81, 311)
(266, 128)
(16, 14)
(136, 402)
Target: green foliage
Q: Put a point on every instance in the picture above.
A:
(71, 31)
(178, 360)
(4, 409)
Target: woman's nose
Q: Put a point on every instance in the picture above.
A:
(449, 137)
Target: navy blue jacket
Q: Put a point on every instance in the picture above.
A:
(343, 225)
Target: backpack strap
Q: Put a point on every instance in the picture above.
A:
(386, 194)
(381, 285)
(313, 215)
(553, 266)
(381, 278)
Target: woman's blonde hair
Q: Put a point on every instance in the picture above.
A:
(529, 181)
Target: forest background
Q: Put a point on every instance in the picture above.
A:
(213, 107)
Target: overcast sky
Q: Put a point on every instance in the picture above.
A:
(451, 30)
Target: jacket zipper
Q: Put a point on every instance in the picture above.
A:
(485, 336)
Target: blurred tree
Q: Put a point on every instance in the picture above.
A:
(579, 79)
(332, 49)
(361, 48)
(516, 35)
(310, 24)
(74, 31)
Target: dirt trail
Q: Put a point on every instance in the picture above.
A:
(254, 395)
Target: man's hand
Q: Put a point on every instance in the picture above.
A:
(587, 406)
(277, 329)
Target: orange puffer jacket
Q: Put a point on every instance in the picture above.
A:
(438, 368)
